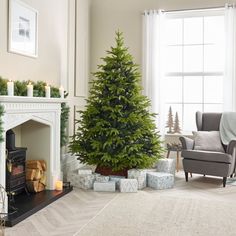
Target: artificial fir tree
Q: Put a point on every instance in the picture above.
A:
(170, 122)
(177, 125)
(116, 129)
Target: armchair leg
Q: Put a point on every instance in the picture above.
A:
(186, 176)
(224, 181)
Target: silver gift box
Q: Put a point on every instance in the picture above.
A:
(109, 186)
(85, 171)
(139, 175)
(128, 185)
(166, 166)
(81, 181)
(102, 178)
(117, 179)
(160, 180)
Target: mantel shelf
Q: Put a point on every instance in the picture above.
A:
(24, 99)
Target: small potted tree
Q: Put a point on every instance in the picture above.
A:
(116, 131)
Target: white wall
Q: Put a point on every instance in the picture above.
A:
(107, 16)
(78, 57)
(51, 63)
(63, 49)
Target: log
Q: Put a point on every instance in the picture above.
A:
(43, 164)
(32, 164)
(43, 179)
(35, 186)
(32, 186)
(38, 174)
(30, 173)
(41, 187)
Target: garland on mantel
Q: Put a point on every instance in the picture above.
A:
(20, 89)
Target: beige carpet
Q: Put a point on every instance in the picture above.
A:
(200, 207)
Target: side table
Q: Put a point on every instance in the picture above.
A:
(174, 148)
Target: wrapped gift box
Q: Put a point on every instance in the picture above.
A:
(139, 175)
(102, 178)
(128, 185)
(85, 171)
(81, 181)
(109, 186)
(160, 180)
(117, 179)
(166, 166)
(150, 170)
(70, 164)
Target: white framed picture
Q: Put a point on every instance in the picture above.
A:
(22, 29)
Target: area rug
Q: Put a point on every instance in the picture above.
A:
(149, 213)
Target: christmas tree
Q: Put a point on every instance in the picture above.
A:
(170, 122)
(116, 129)
(176, 125)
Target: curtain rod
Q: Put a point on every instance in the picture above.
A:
(195, 9)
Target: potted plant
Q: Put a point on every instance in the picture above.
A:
(116, 131)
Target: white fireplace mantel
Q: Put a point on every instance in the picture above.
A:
(46, 111)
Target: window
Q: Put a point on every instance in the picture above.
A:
(194, 64)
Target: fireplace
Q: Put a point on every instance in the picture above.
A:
(38, 123)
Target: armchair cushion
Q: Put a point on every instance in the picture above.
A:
(207, 156)
(187, 143)
(208, 141)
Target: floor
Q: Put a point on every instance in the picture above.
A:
(87, 213)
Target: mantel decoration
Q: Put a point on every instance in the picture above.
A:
(23, 29)
(21, 89)
(116, 132)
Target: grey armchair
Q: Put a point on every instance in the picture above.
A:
(220, 164)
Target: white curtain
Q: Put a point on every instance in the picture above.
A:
(153, 25)
(229, 102)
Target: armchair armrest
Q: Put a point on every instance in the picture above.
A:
(231, 146)
(187, 143)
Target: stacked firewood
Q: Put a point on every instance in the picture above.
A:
(35, 175)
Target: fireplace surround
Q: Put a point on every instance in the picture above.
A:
(39, 122)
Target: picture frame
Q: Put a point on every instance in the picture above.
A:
(22, 29)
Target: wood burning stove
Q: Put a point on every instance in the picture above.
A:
(15, 165)
(15, 170)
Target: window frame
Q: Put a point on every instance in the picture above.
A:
(191, 14)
